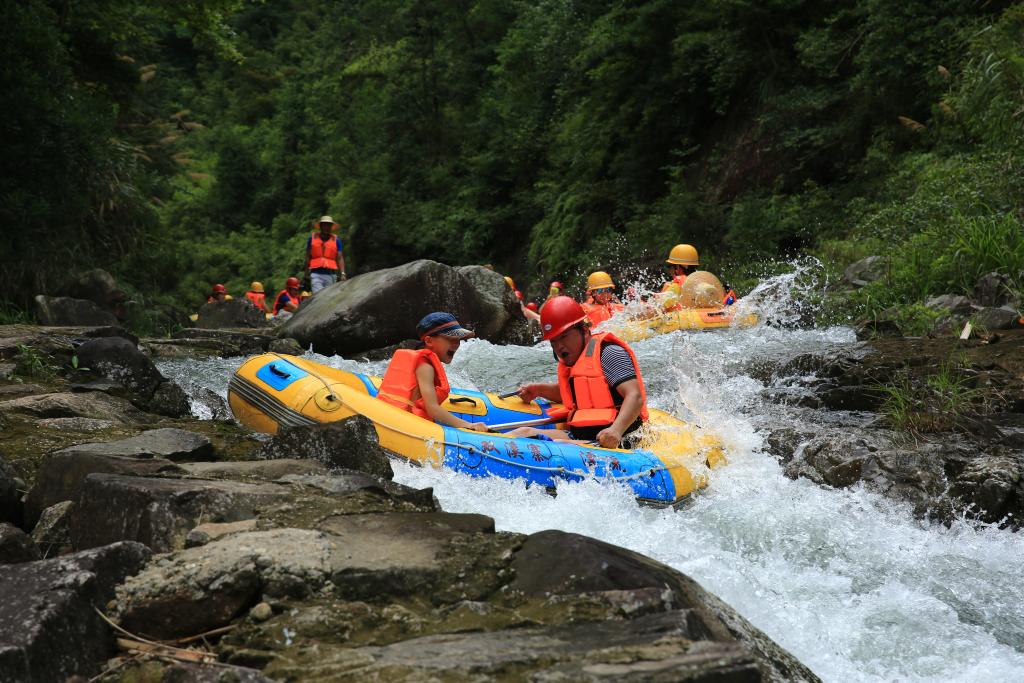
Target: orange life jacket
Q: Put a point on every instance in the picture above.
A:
(399, 384)
(584, 389)
(731, 294)
(677, 280)
(258, 300)
(277, 300)
(323, 254)
(598, 313)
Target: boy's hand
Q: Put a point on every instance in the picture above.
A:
(528, 392)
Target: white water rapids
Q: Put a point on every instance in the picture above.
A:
(849, 582)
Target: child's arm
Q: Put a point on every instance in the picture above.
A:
(425, 381)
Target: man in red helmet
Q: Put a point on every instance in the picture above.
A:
(288, 299)
(599, 379)
(219, 293)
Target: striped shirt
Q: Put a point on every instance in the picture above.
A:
(617, 367)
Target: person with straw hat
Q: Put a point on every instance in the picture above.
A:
(325, 263)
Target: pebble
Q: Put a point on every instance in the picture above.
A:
(261, 612)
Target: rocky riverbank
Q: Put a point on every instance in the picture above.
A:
(944, 427)
(141, 543)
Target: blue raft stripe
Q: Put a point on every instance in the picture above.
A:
(278, 374)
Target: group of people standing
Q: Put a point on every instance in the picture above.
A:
(325, 265)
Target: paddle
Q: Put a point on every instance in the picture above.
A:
(528, 423)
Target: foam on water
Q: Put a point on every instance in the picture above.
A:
(849, 582)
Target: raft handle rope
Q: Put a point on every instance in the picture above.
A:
(474, 450)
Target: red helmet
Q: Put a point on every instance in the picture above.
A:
(292, 283)
(558, 285)
(532, 307)
(220, 289)
(558, 315)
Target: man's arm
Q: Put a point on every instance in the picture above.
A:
(629, 411)
(341, 262)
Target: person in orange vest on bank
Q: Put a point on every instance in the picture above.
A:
(415, 380)
(601, 303)
(325, 263)
(599, 379)
(256, 296)
(287, 301)
(219, 293)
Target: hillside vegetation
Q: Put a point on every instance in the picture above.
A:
(182, 143)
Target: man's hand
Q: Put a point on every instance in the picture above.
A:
(479, 426)
(528, 392)
(609, 438)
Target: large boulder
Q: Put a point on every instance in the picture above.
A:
(62, 310)
(1004, 318)
(98, 286)
(159, 512)
(16, 546)
(866, 271)
(351, 444)
(49, 628)
(121, 361)
(92, 405)
(993, 289)
(52, 532)
(950, 304)
(376, 309)
(61, 475)
(10, 496)
(227, 314)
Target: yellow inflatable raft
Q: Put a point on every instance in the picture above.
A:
(669, 461)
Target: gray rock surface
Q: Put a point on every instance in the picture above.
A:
(94, 405)
(254, 470)
(62, 473)
(119, 360)
(167, 442)
(62, 310)
(286, 346)
(98, 286)
(52, 533)
(376, 309)
(49, 629)
(159, 512)
(75, 424)
(227, 314)
(952, 304)
(16, 546)
(169, 400)
(992, 289)
(866, 271)
(10, 496)
(351, 444)
(996, 318)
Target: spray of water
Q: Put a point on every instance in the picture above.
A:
(849, 582)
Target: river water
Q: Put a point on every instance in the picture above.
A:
(847, 581)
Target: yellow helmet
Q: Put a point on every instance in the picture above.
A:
(256, 287)
(510, 282)
(683, 255)
(599, 280)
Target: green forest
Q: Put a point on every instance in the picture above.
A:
(178, 143)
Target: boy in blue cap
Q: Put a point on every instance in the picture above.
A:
(415, 379)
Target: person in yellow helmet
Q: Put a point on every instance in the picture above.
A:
(601, 303)
(682, 260)
(257, 296)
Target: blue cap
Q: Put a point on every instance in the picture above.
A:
(444, 324)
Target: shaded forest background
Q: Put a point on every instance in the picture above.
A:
(179, 144)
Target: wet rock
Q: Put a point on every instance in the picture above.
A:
(992, 487)
(62, 473)
(951, 304)
(850, 397)
(74, 424)
(52, 533)
(342, 482)
(92, 405)
(996, 318)
(119, 360)
(992, 289)
(160, 512)
(49, 629)
(880, 327)
(254, 470)
(62, 310)
(10, 495)
(208, 405)
(866, 271)
(169, 400)
(376, 309)
(16, 546)
(916, 475)
(351, 443)
(286, 346)
(227, 314)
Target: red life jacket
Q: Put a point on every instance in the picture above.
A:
(277, 301)
(258, 300)
(584, 389)
(323, 254)
(399, 384)
(598, 313)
